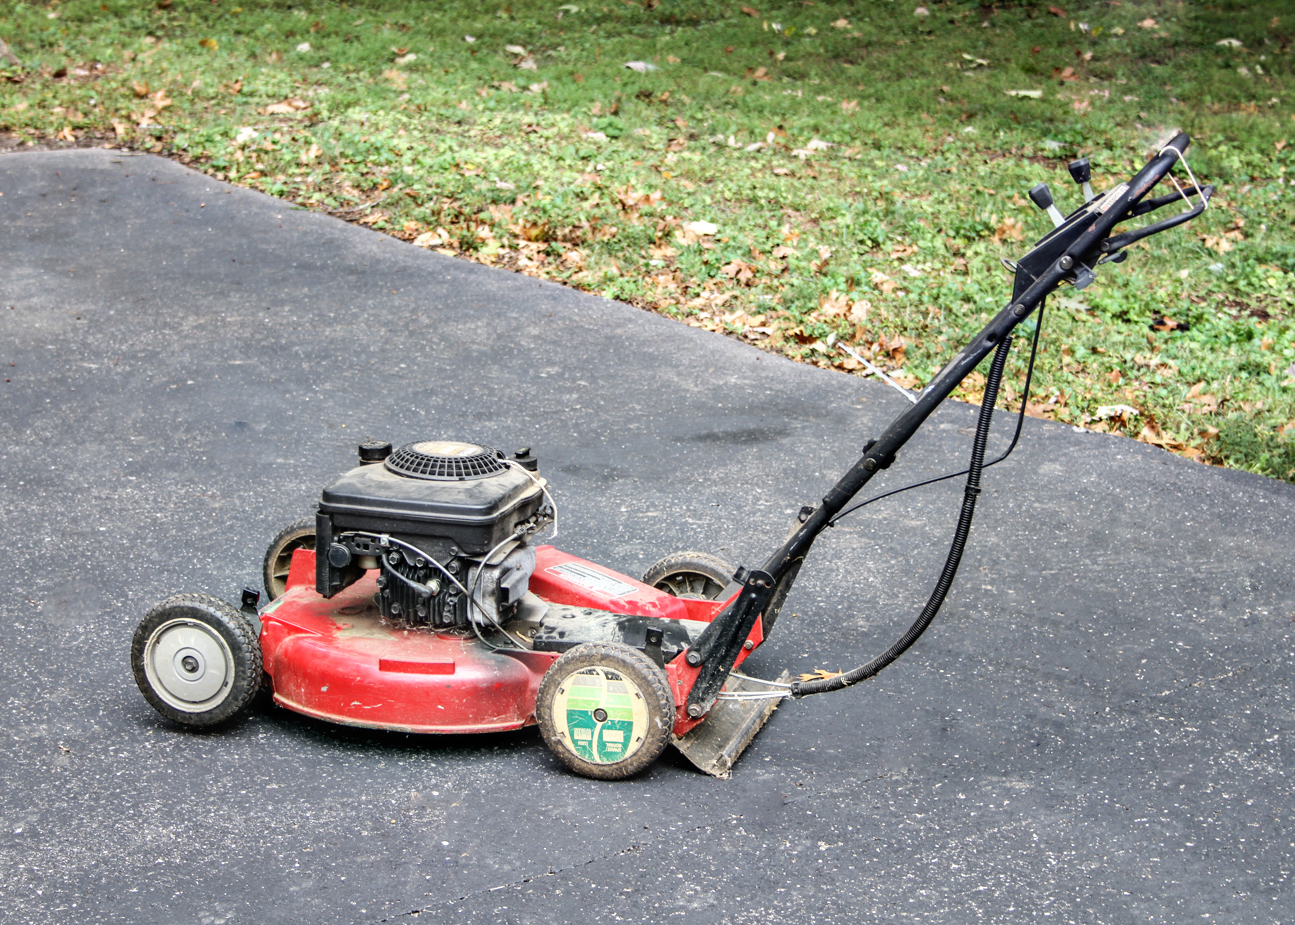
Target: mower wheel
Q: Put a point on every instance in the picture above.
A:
(697, 575)
(278, 557)
(605, 710)
(196, 659)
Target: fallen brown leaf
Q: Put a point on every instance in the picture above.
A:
(1009, 230)
(882, 282)
(739, 271)
(1165, 323)
(286, 108)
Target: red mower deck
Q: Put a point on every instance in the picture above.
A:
(339, 660)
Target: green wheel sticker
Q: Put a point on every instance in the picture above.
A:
(601, 715)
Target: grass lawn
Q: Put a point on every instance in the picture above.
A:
(795, 174)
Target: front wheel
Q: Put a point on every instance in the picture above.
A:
(196, 659)
(605, 710)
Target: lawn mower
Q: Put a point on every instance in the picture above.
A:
(418, 599)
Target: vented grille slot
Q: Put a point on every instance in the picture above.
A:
(443, 461)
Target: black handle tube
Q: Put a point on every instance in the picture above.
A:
(881, 453)
(1150, 205)
(1119, 241)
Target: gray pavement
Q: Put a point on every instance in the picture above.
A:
(1097, 729)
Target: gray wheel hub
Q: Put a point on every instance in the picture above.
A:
(189, 665)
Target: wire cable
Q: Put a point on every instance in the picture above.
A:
(387, 540)
(543, 486)
(1016, 436)
(476, 588)
(747, 677)
(878, 371)
(951, 563)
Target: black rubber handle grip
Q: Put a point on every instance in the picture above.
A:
(1041, 196)
(1179, 141)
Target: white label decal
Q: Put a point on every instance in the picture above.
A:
(1106, 201)
(592, 579)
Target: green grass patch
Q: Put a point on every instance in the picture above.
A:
(793, 174)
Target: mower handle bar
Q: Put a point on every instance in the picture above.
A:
(1150, 205)
(1116, 243)
(1081, 242)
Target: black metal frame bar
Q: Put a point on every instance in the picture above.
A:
(1067, 254)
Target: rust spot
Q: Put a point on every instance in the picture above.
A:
(411, 667)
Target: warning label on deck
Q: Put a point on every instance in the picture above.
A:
(592, 579)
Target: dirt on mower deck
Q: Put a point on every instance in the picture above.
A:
(1095, 729)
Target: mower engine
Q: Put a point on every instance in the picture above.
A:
(440, 520)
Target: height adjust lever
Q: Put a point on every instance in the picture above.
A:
(1042, 197)
(1081, 172)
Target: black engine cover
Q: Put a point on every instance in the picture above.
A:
(448, 510)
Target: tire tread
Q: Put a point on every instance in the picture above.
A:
(281, 539)
(245, 646)
(658, 686)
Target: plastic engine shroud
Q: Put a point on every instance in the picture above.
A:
(444, 517)
(445, 460)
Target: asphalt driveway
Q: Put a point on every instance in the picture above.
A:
(1097, 729)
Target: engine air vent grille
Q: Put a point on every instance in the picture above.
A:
(445, 460)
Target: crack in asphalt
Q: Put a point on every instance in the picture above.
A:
(629, 849)
(554, 872)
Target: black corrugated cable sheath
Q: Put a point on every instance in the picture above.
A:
(863, 672)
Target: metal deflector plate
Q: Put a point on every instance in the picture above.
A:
(731, 725)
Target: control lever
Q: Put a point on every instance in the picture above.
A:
(1042, 197)
(1082, 172)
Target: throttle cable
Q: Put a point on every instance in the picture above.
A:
(1020, 421)
(954, 559)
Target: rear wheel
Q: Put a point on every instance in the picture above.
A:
(697, 575)
(278, 557)
(605, 710)
(196, 659)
